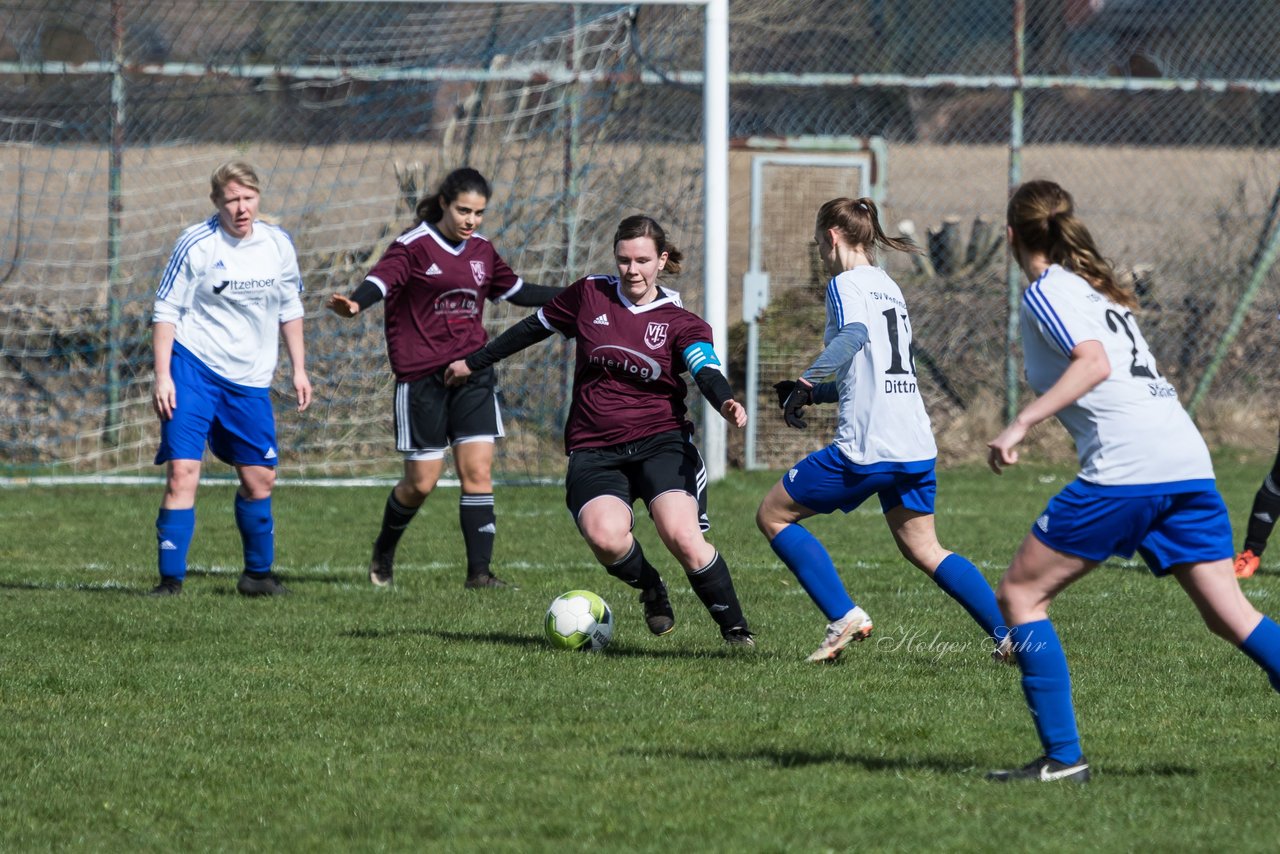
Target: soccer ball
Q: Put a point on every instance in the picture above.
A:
(579, 620)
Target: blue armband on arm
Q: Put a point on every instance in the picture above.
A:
(700, 355)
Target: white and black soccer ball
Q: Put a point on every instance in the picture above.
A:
(579, 620)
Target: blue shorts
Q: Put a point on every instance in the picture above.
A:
(826, 481)
(239, 427)
(1167, 530)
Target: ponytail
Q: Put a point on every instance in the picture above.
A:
(1042, 217)
(858, 222)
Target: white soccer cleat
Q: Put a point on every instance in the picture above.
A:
(853, 626)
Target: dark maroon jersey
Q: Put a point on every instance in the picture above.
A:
(626, 382)
(435, 298)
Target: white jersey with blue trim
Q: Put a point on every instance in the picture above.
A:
(882, 419)
(1130, 429)
(227, 297)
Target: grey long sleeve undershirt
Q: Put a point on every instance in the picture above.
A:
(835, 359)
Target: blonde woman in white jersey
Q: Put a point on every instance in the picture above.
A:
(1146, 481)
(230, 292)
(883, 446)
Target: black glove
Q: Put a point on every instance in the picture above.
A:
(793, 397)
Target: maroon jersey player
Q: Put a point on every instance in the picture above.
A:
(627, 434)
(435, 278)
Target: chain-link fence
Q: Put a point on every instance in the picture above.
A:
(1161, 116)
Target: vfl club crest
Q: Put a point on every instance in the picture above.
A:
(477, 272)
(655, 335)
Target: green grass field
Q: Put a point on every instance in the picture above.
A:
(435, 718)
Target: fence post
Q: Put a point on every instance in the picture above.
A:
(1013, 275)
(115, 208)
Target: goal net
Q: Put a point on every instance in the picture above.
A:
(113, 115)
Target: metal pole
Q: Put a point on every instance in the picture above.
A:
(573, 198)
(1013, 274)
(115, 208)
(715, 274)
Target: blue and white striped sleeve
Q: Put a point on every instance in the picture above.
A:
(173, 293)
(1049, 318)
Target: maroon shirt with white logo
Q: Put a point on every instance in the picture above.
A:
(626, 383)
(435, 296)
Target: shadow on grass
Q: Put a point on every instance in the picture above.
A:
(56, 587)
(804, 758)
(507, 639)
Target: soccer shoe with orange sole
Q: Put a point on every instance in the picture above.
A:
(1247, 563)
(853, 626)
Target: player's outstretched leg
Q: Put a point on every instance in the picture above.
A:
(809, 561)
(1263, 646)
(962, 581)
(1229, 614)
(917, 539)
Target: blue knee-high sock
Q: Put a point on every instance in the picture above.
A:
(1046, 683)
(1263, 646)
(961, 581)
(174, 529)
(257, 532)
(809, 561)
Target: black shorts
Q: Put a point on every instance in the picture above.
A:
(642, 469)
(430, 416)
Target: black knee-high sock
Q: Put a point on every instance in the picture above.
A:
(635, 570)
(395, 518)
(479, 525)
(715, 588)
(1266, 509)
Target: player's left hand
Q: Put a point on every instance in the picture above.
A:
(793, 397)
(302, 387)
(735, 413)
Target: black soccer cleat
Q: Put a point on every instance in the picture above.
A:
(167, 587)
(260, 584)
(380, 568)
(658, 615)
(738, 636)
(483, 580)
(1044, 770)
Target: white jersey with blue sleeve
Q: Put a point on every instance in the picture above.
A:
(1130, 430)
(883, 425)
(227, 297)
